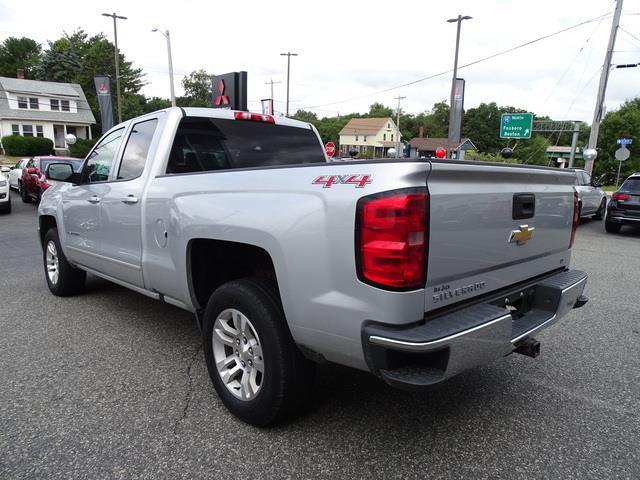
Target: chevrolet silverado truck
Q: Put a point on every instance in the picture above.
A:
(414, 270)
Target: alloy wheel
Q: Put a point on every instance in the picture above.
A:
(238, 354)
(53, 270)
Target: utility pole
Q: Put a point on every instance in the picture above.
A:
(458, 20)
(288, 55)
(399, 98)
(115, 43)
(166, 35)
(574, 143)
(602, 87)
(272, 83)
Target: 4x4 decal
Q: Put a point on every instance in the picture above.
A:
(327, 181)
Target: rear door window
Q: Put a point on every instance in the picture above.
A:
(136, 150)
(207, 144)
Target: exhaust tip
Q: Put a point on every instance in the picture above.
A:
(529, 347)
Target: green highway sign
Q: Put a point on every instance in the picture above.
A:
(516, 125)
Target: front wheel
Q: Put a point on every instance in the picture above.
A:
(62, 278)
(254, 364)
(601, 210)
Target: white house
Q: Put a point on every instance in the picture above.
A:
(33, 108)
(371, 137)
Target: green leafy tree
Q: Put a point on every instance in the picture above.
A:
(18, 53)
(156, 103)
(305, 116)
(378, 110)
(532, 152)
(621, 123)
(197, 89)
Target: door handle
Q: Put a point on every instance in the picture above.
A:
(93, 199)
(130, 199)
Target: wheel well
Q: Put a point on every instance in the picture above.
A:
(212, 263)
(46, 222)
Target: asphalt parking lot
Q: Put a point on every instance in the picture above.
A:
(112, 384)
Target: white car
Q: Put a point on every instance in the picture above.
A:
(5, 193)
(16, 174)
(592, 201)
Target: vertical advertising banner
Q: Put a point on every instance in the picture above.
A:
(103, 91)
(458, 109)
(267, 106)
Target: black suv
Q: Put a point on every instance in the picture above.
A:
(624, 207)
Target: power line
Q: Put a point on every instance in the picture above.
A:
(489, 57)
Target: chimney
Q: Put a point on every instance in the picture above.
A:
(20, 73)
(421, 134)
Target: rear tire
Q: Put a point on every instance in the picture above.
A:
(24, 195)
(62, 278)
(601, 210)
(244, 313)
(611, 227)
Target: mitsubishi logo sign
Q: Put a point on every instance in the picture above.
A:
(229, 91)
(221, 98)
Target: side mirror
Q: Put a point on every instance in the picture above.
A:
(32, 170)
(5, 170)
(62, 172)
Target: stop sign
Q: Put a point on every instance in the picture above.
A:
(330, 148)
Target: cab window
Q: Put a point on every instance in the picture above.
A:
(100, 161)
(136, 150)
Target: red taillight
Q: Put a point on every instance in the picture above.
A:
(391, 240)
(576, 218)
(620, 196)
(254, 117)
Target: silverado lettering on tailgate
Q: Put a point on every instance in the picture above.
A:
(445, 292)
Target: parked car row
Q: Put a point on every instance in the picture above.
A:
(28, 176)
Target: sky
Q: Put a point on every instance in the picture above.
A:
(348, 52)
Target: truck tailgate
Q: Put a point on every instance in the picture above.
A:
(474, 227)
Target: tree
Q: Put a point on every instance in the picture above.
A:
(18, 53)
(197, 89)
(78, 57)
(532, 152)
(378, 110)
(305, 116)
(621, 123)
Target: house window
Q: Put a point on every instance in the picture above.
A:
(39, 132)
(55, 104)
(22, 102)
(384, 137)
(15, 129)
(33, 104)
(365, 138)
(388, 125)
(64, 105)
(356, 138)
(27, 130)
(392, 137)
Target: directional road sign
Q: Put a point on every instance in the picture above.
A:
(516, 125)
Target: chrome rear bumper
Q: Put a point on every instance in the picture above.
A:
(428, 353)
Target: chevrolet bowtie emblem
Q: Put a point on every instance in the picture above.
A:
(522, 235)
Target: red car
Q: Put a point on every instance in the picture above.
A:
(33, 182)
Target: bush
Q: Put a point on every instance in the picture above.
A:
(81, 148)
(18, 146)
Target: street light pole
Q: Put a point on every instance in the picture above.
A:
(399, 98)
(115, 42)
(602, 87)
(288, 55)
(172, 90)
(458, 20)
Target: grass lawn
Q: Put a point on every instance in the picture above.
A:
(8, 160)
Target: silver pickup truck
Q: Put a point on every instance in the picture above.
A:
(411, 269)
